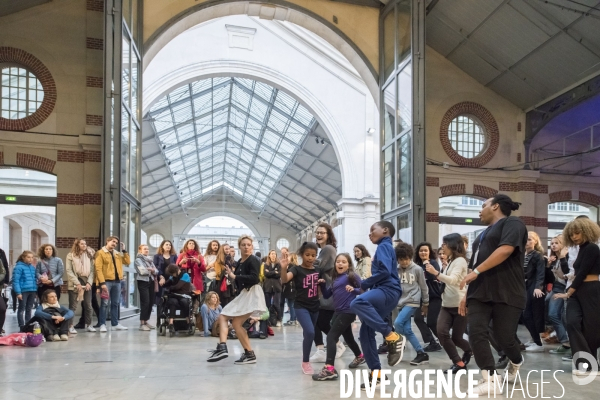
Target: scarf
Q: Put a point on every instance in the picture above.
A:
(191, 263)
(83, 264)
(49, 305)
(148, 263)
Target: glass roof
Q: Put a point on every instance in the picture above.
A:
(231, 132)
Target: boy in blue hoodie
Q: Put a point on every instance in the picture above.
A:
(25, 286)
(376, 304)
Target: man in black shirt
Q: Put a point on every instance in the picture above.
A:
(496, 290)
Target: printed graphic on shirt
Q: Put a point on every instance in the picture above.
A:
(310, 282)
(407, 277)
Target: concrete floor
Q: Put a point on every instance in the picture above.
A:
(139, 365)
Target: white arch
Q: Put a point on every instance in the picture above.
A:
(201, 217)
(245, 69)
(201, 13)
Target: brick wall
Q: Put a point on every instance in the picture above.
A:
(94, 81)
(431, 181)
(564, 195)
(528, 220)
(522, 187)
(70, 199)
(95, 5)
(67, 242)
(70, 156)
(94, 44)
(96, 120)
(31, 63)
(432, 217)
(589, 198)
(484, 191)
(490, 127)
(35, 162)
(453, 190)
(541, 222)
(92, 198)
(92, 156)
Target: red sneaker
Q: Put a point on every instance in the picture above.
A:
(270, 331)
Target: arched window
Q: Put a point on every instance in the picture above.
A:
(156, 239)
(467, 136)
(283, 242)
(22, 93)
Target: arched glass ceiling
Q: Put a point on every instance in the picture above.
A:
(230, 132)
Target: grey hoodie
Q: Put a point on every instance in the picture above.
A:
(414, 287)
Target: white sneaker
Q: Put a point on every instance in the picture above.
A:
(489, 385)
(534, 348)
(340, 349)
(144, 327)
(529, 343)
(90, 328)
(511, 370)
(72, 331)
(319, 357)
(103, 328)
(278, 324)
(120, 327)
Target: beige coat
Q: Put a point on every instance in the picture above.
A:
(72, 280)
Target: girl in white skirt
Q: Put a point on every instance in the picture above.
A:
(250, 301)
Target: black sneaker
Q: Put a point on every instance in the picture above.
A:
(433, 346)
(502, 363)
(218, 354)
(357, 361)
(395, 350)
(455, 368)
(325, 375)
(467, 357)
(372, 382)
(383, 348)
(420, 359)
(247, 357)
(78, 326)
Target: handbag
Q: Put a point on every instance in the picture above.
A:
(223, 285)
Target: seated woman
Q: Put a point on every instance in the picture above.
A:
(179, 283)
(210, 310)
(53, 317)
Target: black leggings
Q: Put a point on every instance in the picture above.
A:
(175, 303)
(583, 320)
(341, 325)
(274, 299)
(2, 312)
(534, 315)
(433, 312)
(323, 325)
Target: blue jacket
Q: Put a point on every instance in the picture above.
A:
(24, 278)
(64, 311)
(384, 271)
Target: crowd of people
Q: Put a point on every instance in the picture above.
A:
(507, 279)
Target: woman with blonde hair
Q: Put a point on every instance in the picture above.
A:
(224, 290)
(558, 262)
(535, 271)
(80, 278)
(210, 311)
(583, 297)
(250, 301)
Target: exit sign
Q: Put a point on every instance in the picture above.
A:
(468, 220)
(10, 198)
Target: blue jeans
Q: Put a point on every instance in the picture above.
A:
(403, 326)
(25, 307)
(373, 307)
(307, 320)
(114, 293)
(555, 313)
(290, 303)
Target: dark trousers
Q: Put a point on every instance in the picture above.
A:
(42, 289)
(274, 299)
(449, 318)
(534, 315)
(341, 325)
(494, 342)
(52, 328)
(2, 312)
(146, 291)
(175, 303)
(505, 320)
(95, 307)
(307, 320)
(429, 329)
(583, 320)
(323, 325)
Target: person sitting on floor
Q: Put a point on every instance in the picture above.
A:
(210, 311)
(53, 317)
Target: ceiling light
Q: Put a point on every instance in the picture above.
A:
(371, 131)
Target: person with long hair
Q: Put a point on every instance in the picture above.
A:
(210, 311)
(325, 262)
(583, 296)
(146, 276)
(449, 318)
(49, 270)
(535, 308)
(223, 259)
(289, 289)
(250, 301)
(80, 278)
(306, 280)
(210, 257)
(272, 284)
(496, 290)
(24, 285)
(424, 256)
(3, 273)
(558, 262)
(191, 261)
(344, 288)
(363, 261)
(165, 256)
(442, 259)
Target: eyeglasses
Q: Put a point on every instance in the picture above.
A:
(320, 233)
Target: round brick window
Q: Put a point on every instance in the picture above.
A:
(28, 92)
(469, 134)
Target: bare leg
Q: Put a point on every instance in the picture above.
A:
(223, 328)
(241, 333)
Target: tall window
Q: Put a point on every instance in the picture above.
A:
(563, 206)
(467, 136)
(470, 201)
(22, 93)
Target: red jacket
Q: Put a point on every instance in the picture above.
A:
(193, 268)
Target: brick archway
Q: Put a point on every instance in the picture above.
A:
(484, 192)
(11, 55)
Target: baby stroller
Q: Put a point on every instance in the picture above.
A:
(180, 321)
